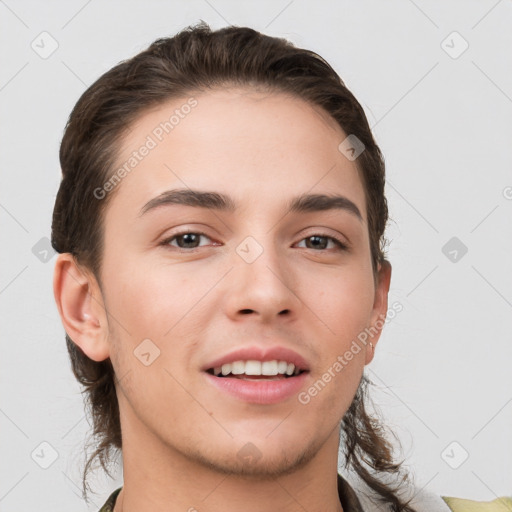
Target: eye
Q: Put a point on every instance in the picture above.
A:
(318, 242)
(185, 240)
(191, 240)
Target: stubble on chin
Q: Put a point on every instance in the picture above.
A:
(249, 463)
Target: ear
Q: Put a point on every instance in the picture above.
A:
(81, 308)
(380, 308)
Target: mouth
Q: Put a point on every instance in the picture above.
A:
(253, 370)
(262, 381)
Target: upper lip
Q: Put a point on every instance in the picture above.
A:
(262, 354)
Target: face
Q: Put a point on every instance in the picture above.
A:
(245, 277)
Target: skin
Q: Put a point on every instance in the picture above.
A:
(181, 436)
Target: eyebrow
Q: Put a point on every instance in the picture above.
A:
(304, 203)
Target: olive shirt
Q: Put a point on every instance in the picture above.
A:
(350, 502)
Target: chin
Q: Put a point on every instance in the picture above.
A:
(257, 459)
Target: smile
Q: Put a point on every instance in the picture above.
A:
(253, 368)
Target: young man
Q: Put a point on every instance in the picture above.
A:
(221, 279)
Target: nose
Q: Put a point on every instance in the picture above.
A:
(261, 283)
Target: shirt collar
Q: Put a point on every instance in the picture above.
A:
(348, 498)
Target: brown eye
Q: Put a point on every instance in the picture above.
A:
(320, 242)
(186, 240)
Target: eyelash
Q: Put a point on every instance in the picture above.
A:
(166, 243)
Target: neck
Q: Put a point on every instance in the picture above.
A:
(158, 477)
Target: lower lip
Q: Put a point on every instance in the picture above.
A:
(259, 391)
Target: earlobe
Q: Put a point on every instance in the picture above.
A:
(80, 304)
(380, 308)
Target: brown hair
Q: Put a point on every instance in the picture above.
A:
(198, 59)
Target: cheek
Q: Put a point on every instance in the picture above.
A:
(150, 301)
(161, 304)
(344, 302)
(344, 309)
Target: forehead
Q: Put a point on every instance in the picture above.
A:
(256, 146)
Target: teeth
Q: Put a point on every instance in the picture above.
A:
(238, 367)
(269, 368)
(251, 367)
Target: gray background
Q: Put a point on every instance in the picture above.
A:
(443, 118)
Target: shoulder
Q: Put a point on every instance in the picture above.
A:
(461, 505)
(423, 500)
(109, 504)
(420, 499)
